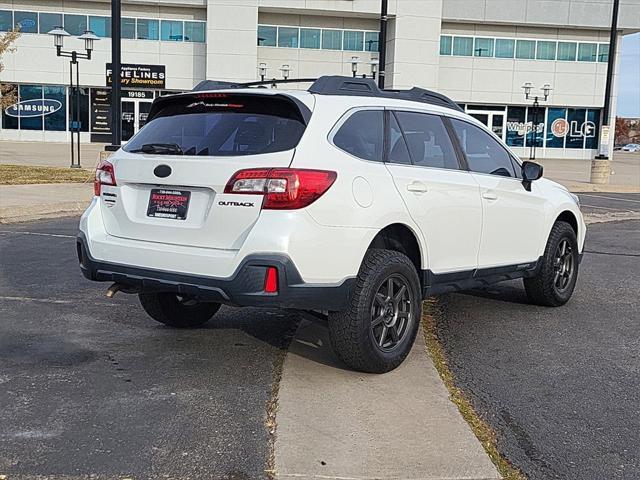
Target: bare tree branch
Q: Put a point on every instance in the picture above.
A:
(7, 92)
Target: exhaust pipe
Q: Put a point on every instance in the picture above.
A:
(118, 287)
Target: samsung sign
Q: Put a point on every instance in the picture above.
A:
(34, 108)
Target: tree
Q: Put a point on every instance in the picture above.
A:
(7, 92)
(622, 130)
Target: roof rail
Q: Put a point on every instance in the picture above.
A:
(220, 85)
(367, 87)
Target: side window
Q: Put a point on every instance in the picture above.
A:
(484, 153)
(398, 151)
(362, 135)
(428, 141)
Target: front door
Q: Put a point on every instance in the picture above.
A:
(493, 120)
(513, 218)
(134, 117)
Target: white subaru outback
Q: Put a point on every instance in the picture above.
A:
(344, 199)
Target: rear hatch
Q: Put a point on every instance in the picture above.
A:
(170, 177)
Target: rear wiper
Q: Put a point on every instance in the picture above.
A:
(160, 149)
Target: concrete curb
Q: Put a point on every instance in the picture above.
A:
(594, 188)
(336, 423)
(40, 212)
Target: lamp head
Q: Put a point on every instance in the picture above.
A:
(58, 34)
(285, 69)
(89, 37)
(527, 87)
(354, 64)
(546, 90)
(374, 66)
(262, 69)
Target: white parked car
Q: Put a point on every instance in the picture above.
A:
(631, 147)
(343, 199)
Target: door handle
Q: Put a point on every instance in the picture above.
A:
(417, 187)
(489, 195)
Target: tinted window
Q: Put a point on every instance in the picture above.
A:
(27, 21)
(6, 20)
(171, 30)
(49, 21)
(267, 36)
(148, 29)
(194, 32)
(398, 151)
(362, 135)
(428, 141)
(484, 153)
(236, 126)
(75, 24)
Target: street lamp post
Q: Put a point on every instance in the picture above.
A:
(546, 90)
(354, 66)
(88, 37)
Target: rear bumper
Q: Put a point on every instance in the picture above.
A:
(245, 287)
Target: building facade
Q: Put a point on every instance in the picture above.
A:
(478, 52)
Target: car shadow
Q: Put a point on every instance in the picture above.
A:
(506, 292)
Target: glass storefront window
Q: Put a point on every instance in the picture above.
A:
(505, 48)
(49, 21)
(567, 51)
(101, 26)
(27, 21)
(535, 124)
(267, 36)
(194, 32)
(516, 126)
(147, 29)
(576, 120)
(9, 122)
(483, 47)
(56, 121)
(288, 37)
(6, 20)
(463, 46)
(592, 129)
(587, 52)
(353, 41)
(34, 93)
(603, 52)
(371, 40)
(128, 28)
(526, 49)
(332, 39)
(546, 50)
(75, 24)
(171, 31)
(446, 42)
(310, 38)
(557, 127)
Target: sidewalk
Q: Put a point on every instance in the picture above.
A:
(21, 203)
(49, 154)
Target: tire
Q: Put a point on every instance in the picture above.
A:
(176, 311)
(553, 284)
(363, 336)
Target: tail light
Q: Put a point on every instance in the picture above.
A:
(105, 175)
(283, 188)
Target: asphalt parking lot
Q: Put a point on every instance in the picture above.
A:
(93, 386)
(559, 386)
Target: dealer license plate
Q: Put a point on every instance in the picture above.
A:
(168, 203)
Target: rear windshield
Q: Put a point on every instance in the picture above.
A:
(217, 124)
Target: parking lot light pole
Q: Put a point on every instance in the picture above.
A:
(262, 69)
(58, 34)
(546, 90)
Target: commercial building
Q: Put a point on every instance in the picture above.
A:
(478, 52)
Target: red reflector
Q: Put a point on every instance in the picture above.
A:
(271, 280)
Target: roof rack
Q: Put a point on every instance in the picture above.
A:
(340, 85)
(367, 87)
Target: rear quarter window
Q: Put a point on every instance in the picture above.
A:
(217, 124)
(362, 135)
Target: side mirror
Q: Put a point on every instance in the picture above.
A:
(530, 171)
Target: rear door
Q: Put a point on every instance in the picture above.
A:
(513, 217)
(171, 176)
(441, 198)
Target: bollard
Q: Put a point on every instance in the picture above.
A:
(600, 170)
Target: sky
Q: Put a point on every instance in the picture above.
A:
(629, 77)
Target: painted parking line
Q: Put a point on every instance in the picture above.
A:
(55, 235)
(610, 198)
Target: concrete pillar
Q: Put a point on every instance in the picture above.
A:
(413, 44)
(232, 51)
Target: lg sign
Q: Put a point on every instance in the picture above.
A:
(560, 128)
